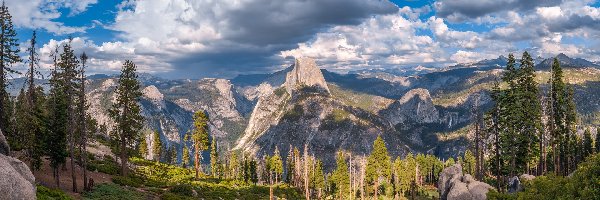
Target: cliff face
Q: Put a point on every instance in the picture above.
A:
(415, 106)
(305, 73)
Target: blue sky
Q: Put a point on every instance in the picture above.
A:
(203, 38)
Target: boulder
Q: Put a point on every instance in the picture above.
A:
(514, 185)
(17, 181)
(446, 175)
(453, 185)
(459, 191)
(4, 148)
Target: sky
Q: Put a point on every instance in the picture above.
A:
(226, 38)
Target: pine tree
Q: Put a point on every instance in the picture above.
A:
(378, 165)
(469, 163)
(214, 158)
(185, 158)
(55, 141)
(126, 111)
(173, 154)
(340, 177)
(156, 146)
(290, 168)
(317, 178)
(200, 138)
(68, 63)
(234, 166)
(83, 119)
(276, 165)
(588, 148)
(143, 148)
(9, 55)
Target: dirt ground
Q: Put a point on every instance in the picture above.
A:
(44, 177)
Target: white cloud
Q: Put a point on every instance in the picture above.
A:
(44, 13)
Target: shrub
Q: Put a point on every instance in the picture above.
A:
(44, 193)
(130, 180)
(183, 190)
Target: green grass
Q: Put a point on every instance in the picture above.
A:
(44, 193)
(173, 182)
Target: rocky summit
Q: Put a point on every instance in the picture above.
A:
(305, 73)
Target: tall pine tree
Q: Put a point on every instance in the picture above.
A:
(200, 139)
(126, 111)
(378, 165)
(9, 55)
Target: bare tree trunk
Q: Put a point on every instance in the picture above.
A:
(306, 192)
(123, 155)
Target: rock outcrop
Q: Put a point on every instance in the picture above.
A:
(415, 106)
(515, 185)
(453, 185)
(17, 181)
(305, 74)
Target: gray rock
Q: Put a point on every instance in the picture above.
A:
(453, 185)
(17, 181)
(514, 185)
(479, 190)
(446, 176)
(467, 178)
(459, 191)
(4, 148)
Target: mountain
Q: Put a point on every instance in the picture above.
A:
(497, 62)
(566, 62)
(398, 71)
(303, 105)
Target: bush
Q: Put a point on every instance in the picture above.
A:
(584, 184)
(113, 192)
(44, 193)
(183, 190)
(107, 166)
(130, 180)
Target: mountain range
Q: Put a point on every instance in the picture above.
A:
(425, 110)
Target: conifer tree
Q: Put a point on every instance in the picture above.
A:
(340, 177)
(55, 141)
(185, 158)
(126, 111)
(143, 148)
(290, 168)
(234, 166)
(276, 165)
(156, 146)
(68, 64)
(317, 178)
(200, 138)
(83, 119)
(587, 144)
(469, 163)
(214, 158)
(9, 55)
(32, 119)
(378, 165)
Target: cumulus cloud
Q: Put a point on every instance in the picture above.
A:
(381, 41)
(43, 14)
(222, 37)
